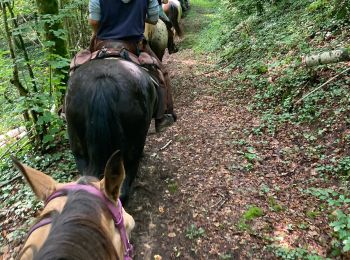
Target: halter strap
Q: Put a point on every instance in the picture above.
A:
(116, 212)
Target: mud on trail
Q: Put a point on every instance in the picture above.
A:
(209, 188)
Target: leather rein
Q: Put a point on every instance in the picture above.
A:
(116, 212)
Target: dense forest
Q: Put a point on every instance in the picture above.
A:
(293, 138)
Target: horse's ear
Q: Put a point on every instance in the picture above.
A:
(41, 184)
(114, 175)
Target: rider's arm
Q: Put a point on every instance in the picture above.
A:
(94, 14)
(152, 12)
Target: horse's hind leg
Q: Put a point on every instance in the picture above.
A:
(173, 16)
(132, 159)
(171, 44)
(131, 169)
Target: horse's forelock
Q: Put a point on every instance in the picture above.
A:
(77, 233)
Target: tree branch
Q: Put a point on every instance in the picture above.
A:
(322, 85)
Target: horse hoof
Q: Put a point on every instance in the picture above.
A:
(163, 123)
(175, 50)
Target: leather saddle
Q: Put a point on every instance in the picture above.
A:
(116, 50)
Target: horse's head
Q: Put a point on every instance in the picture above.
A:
(80, 220)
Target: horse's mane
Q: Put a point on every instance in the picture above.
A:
(76, 233)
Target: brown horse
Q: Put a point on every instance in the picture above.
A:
(80, 220)
(174, 11)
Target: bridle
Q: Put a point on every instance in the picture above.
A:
(116, 212)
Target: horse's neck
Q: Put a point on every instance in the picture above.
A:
(34, 242)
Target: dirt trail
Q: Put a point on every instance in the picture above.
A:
(200, 177)
(194, 180)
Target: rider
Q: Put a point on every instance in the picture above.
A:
(162, 16)
(121, 23)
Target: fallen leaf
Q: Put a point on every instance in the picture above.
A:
(161, 209)
(171, 234)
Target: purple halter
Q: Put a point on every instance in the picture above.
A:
(116, 212)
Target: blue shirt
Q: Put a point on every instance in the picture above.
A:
(122, 21)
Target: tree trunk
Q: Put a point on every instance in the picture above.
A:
(326, 57)
(16, 80)
(51, 8)
(22, 46)
(59, 46)
(76, 24)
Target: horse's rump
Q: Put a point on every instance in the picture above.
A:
(174, 12)
(157, 37)
(109, 107)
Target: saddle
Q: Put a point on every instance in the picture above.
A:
(117, 51)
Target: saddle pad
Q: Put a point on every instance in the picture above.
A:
(83, 56)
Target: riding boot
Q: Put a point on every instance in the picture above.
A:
(163, 16)
(162, 119)
(92, 45)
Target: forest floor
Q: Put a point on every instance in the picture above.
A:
(209, 188)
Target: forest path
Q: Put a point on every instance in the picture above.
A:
(208, 187)
(214, 185)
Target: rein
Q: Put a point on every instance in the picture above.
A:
(116, 212)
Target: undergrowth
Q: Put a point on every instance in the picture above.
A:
(263, 43)
(17, 197)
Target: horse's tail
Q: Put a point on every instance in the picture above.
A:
(104, 132)
(174, 18)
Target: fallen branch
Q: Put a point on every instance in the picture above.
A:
(322, 85)
(3, 184)
(326, 57)
(166, 145)
(221, 202)
(12, 145)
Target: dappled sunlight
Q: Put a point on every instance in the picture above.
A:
(286, 235)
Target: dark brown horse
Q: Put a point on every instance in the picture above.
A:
(82, 220)
(174, 12)
(109, 106)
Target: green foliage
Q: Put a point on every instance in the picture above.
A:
(336, 166)
(312, 214)
(294, 254)
(318, 5)
(263, 41)
(173, 187)
(252, 213)
(341, 9)
(342, 227)
(340, 203)
(226, 256)
(193, 232)
(46, 83)
(250, 155)
(17, 197)
(274, 205)
(266, 48)
(197, 35)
